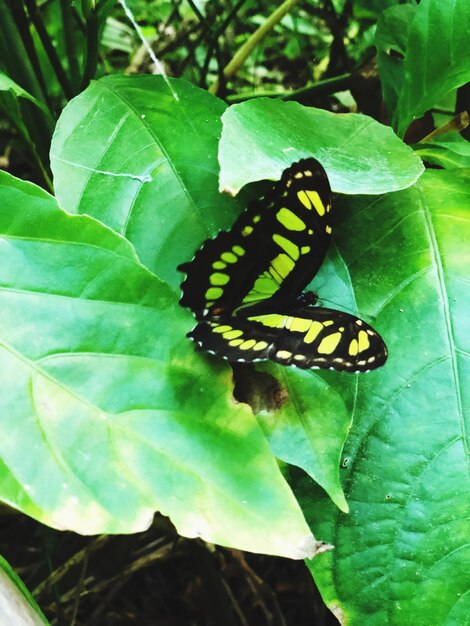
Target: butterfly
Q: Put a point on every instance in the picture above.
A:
(245, 287)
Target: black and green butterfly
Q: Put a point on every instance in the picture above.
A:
(245, 286)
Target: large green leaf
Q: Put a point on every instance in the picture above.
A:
(437, 57)
(262, 137)
(128, 153)
(401, 555)
(106, 413)
(172, 215)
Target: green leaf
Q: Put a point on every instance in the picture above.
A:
(262, 137)
(17, 605)
(172, 215)
(10, 92)
(117, 414)
(373, 8)
(391, 40)
(437, 57)
(310, 430)
(127, 152)
(401, 554)
(118, 36)
(7, 84)
(453, 142)
(449, 151)
(442, 156)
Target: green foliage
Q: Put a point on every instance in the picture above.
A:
(449, 151)
(50, 53)
(360, 155)
(405, 464)
(428, 76)
(391, 40)
(420, 77)
(173, 175)
(119, 415)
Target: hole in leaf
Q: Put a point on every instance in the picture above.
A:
(261, 391)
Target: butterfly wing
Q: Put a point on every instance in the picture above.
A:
(275, 247)
(308, 337)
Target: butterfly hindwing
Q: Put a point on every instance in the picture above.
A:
(275, 247)
(307, 337)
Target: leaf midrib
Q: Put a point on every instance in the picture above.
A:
(434, 248)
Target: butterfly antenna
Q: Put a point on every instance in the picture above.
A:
(367, 318)
(338, 304)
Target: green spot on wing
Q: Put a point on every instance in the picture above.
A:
(219, 279)
(290, 220)
(213, 293)
(229, 257)
(287, 245)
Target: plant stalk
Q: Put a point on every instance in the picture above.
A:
(91, 53)
(69, 41)
(321, 88)
(249, 46)
(36, 20)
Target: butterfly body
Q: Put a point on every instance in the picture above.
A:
(245, 286)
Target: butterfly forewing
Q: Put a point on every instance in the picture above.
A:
(307, 337)
(275, 247)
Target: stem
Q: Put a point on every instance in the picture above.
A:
(205, 30)
(321, 88)
(244, 52)
(42, 169)
(36, 20)
(29, 75)
(338, 52)
(214, 39)
(91, 53)
(19, 59)
(198, 13)
(457, 124)
(69, 41)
